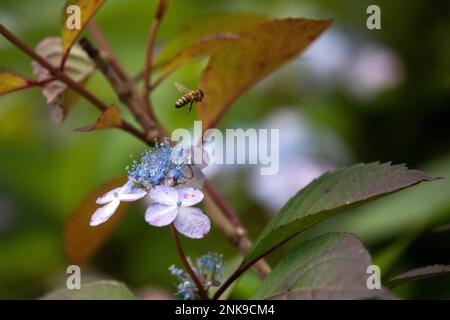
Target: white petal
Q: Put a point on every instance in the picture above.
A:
(104, 213)
(126, 188)
(133, 195)
(159, 215)
(109, 196)
(192, 223)
(189, 196)
(164, 195)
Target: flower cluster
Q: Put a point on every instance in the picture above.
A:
(162, 164)
(161, 174)
(208, 269)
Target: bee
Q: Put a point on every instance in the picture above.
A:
(190, 96)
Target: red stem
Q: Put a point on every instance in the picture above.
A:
(187, 265)
(56, 73)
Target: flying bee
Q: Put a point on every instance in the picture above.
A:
(190, 96)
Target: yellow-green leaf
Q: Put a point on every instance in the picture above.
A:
(87, 10)
(261, 50)
(80, 239)
(9, 82)
(110, 118)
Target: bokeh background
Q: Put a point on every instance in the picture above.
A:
(356, 95)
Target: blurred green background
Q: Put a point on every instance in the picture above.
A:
(356, 95)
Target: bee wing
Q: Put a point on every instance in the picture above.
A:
(181, 87)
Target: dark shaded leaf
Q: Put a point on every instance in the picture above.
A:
(419, 273)
(262, 49)
(88, 8)
(98, 290)
(81, 240)
(10, 81)
(332, 193)
(78, 66)
(331, 266)
(110, 118)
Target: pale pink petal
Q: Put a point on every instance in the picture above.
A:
(164, 195)
(133, 195)
(159, 215)
(109, 196)
(189, 196)
(104, 213)
(192, 223)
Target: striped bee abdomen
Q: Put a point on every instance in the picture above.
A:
(184, 100)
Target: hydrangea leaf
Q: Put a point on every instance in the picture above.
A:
(419, 273)
(331, 266)
(207, 25)
(202, 47)
(97, 290)
(110, 118)
(81, 240)
(330, 194)
(78, 66)
(10, 81)
(261, 50)
(87, 10)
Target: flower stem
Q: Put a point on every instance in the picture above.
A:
(187, 265)
(160, 10)
(240, 236)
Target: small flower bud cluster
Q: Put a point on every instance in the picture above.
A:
(208, 269)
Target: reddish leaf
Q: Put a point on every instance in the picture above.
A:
(419, 273)
(87, 9)
(331, 194)
(216, 22)
(80, 239)
(203, 47)
(332, 266)
(110, 118)
(9, 82)
(239, 66)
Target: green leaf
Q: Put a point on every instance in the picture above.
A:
(411, 211)
(98, 290)
(217, 22)
(262, 49)
(328, 195)
(331, 266)
(10, 81)
(419, 273)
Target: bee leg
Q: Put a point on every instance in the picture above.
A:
(190, 106)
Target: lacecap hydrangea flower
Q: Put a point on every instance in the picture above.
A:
(112, 199)
(162, 173)
(207, 268)
(175, 206)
